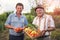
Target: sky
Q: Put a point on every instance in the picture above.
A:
(9, 5)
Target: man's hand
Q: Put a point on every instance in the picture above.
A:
(43, 32)
(18, 29)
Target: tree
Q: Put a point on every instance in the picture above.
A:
(57, 11)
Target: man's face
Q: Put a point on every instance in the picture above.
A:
(19, 9)
(39, 12)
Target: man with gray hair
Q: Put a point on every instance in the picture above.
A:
(44, 23)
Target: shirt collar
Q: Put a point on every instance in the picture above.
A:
(42, 16)
(16, 15)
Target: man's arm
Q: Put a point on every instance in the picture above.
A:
(25, 23)
(8, 22)
(51, 29)
(9, 26)
(51, 25)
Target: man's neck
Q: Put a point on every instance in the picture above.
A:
(41, 16)
(18, 14)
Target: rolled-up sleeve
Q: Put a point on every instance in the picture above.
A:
(8, 21)
(51, 24)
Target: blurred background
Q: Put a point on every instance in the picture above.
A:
(52, 7)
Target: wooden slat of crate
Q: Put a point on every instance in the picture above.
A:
(29, 35)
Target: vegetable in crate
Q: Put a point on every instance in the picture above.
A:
(28, 30)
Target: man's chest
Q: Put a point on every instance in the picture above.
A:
(42, 23)
(17, 20)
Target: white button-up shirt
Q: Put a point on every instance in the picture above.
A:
(44, 22)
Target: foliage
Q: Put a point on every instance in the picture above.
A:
(56, 34)
(57, 21)
(3, 18)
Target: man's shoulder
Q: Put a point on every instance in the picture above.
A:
(12, 14)
(23, 16)
(48, 15)
(36, 18)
